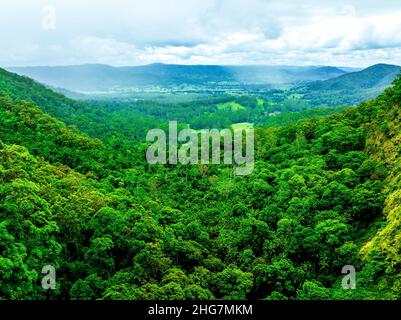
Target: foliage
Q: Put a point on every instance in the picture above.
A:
(116, 228)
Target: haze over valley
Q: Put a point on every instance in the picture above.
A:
(226, 150)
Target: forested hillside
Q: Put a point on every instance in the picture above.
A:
(324, 194)
(118, 121)
(351, 88)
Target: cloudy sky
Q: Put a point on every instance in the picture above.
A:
(132, 32)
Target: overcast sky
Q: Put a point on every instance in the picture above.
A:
(132, 32)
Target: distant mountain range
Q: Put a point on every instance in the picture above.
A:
(377, 76)
(320, 85)
(97, 77)
(351, 88)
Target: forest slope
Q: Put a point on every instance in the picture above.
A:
(324, 194)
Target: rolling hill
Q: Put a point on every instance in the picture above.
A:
(351, 88)
(97, 77)
(376, 77)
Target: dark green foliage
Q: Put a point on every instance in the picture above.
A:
(121, 229)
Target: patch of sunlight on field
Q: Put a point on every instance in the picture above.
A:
(242, 126)
(233, 106)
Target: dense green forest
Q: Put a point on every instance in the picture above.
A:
(77, 193)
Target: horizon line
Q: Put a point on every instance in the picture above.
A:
(196, 65)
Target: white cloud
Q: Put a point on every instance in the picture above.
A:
(123, 32)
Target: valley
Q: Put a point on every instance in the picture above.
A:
(77, 193)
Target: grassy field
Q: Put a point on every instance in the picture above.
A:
(242, 126)
(233, 106)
